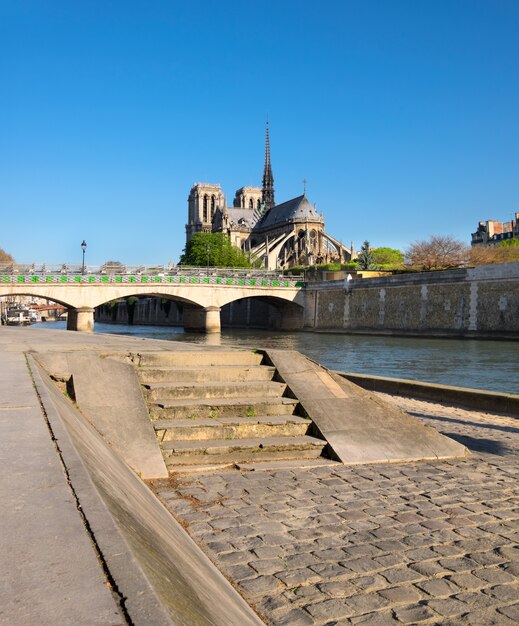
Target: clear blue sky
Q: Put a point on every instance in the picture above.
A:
(402, 115)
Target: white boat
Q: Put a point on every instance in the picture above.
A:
(18, 317)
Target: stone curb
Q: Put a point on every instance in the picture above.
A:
(472, 398)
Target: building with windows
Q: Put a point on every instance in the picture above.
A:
(281, 235)
(491, 232)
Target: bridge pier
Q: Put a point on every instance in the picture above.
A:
(292, 318)
(200, 319)
(81, 318)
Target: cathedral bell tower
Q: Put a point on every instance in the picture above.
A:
(267, 189)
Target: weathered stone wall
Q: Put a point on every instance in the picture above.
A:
(482, 301)
(146, 311)
(479, 302)
(498, 305)
(249, 313)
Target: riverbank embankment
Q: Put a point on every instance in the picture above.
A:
(480, 302)
(84, 538)
(507, 403)
(389, 543)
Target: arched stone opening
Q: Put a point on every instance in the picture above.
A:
(32, 294)
(146, 310)
(159, 310)
(50, 310)
(262, 312)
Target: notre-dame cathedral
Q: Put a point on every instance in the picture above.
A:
(281, 235)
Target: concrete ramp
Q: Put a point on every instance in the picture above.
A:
(108, 394)
(161, 575)
(359, 426)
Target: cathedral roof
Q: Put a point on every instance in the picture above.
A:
(244, 218)
(296, 209)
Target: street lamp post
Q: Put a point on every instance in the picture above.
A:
(83, 247)
(208, 250)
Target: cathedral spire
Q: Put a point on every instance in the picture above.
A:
(267, 189)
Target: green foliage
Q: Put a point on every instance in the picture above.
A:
(214, 250)
(365, 259)
(388, 257)
(112, 308)
(336, 266)
(165, 305)
(504, 252)
(131, 302)
(331, 267)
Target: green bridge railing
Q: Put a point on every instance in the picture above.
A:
(190, 277)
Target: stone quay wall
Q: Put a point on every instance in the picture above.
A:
(477, 302)
(146, 311)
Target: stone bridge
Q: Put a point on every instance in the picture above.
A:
(203, 292)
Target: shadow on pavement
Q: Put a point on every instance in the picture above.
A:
(452, 420)
(476, 444)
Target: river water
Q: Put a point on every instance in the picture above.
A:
(492, 365)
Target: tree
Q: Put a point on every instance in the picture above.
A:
(215, 250)
(440, 252)
(365, 259)
(5, 257)
(389, 258)
(504, 252)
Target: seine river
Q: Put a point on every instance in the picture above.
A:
(492, 365)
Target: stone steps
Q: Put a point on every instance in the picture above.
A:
(198, 359)
(214, 373)
(231, 428)
(161, 392)
(222, 407)
(241, 450)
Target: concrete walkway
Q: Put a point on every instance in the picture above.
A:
(66, 556)
(50, 573)
(431, 542)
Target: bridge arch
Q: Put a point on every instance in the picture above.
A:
(202, 293)
(78, 317)
(34, 294)
(147, 308)
(268, 312)
(151, 294)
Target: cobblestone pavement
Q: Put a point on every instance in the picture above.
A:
(431, 543)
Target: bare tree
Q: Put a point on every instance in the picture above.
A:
(483, 255)
(5, 257)
(437, 253)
